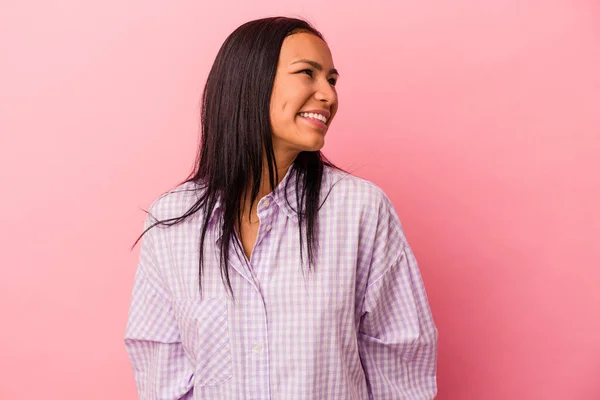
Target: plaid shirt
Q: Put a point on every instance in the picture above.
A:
(356, 326)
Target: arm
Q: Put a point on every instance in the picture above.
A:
(160, 366)
(397, 336)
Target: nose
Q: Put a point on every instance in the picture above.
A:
(326, 93)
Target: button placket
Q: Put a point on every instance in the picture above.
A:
(265, 216)
(257, 352)
(257, 348)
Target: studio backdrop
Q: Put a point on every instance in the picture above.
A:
(479, 119)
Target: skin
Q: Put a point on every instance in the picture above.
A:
(299, 86)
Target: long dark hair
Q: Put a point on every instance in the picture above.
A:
(237, 136)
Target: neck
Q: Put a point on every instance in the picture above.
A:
(284, 162)
(265, 184)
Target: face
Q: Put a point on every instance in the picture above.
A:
(304, 100)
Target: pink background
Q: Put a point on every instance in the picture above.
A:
(480, 119)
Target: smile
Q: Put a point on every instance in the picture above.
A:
(314, 116)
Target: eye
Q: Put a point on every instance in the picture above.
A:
(307, 72)
(332, 81)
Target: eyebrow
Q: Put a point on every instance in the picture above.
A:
(316, 66)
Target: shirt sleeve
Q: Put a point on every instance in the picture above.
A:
(397, 335)
(160, 367)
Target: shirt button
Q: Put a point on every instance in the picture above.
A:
(257, 348)
(268, 228)
(266, 203)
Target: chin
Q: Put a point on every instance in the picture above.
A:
(315, 145)
(300, 141)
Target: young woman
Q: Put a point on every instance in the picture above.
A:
(269, 273)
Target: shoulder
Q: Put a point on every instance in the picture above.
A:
(354, 199)
(359, 190)
(176, 201)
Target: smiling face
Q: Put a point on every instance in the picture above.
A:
(304, 100)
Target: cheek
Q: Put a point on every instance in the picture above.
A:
(279, 113)
(293, 98)
(286, 101)
(286, 112)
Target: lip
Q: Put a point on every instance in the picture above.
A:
(315, 123)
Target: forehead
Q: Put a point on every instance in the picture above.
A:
(305, 45)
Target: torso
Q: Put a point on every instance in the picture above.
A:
(249, 232)
(278, 304)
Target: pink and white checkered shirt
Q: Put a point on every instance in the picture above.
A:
(357, 326)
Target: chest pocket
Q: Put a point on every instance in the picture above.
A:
(204, 330)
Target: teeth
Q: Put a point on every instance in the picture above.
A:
(314, 116)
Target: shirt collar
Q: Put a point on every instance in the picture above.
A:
(284, 196)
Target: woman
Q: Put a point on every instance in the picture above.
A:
(269, 273)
